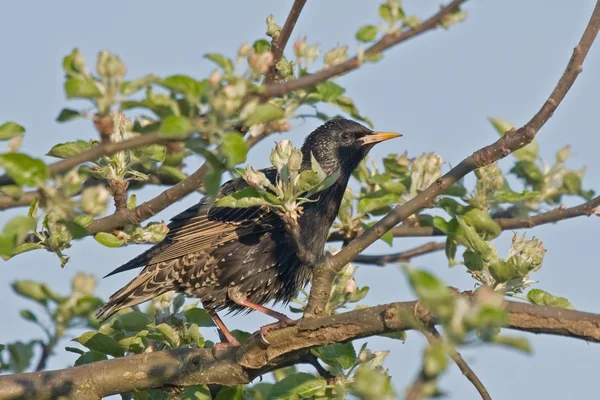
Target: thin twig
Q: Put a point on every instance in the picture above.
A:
(404, 256)
(278, 44)
(101, 149)
(326, 270)
(433, 336)
(558, 214)
(387, 41)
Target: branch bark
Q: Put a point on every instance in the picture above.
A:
(278, 44)
(326, 270)
(404, 256)
(183, 367)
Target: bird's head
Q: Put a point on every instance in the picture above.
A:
(341, 144)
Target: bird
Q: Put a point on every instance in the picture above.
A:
(239, 259)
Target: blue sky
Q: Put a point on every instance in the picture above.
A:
(437, 89)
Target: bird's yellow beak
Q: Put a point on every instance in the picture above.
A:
(377, 137)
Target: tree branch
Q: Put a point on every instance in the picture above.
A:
(278, 44)
(558, 214)
(183, 367)
(404, 256)
(433, 336)
(101, 149)
(387, 41)
(326, 270)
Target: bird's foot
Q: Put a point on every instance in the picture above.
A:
(282, 323)
(221, 347)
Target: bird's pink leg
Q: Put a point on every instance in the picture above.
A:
(283, 320)
(231, 340)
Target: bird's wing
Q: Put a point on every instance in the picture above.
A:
(205, 226)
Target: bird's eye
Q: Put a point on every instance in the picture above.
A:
(346, 137)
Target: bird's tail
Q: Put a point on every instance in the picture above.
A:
(151, 282)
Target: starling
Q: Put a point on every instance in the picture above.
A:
(241, 258)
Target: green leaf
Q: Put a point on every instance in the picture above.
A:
(528, 171)
(393, 167)
(247, 197)
(435, 360)
(541, 297)
(9, 130)
(387, 183)
(108, 239)
(132, 321)
(174, 126)
(197, 392)
(376, 200)
(486, 250)
(20, 356)
(74, 350)
(429, 289)
(130, 87)
(31, 290)
(66, 114)
(571, 183)
(170, 334)
(84, 220)
(25, 171)
(297, 386)
(235, 149)
(261, 45)
(330, 90)
(199, 317)
(508, 196)
(100, 342)
(19, 227)
(367, 33)
(483, 223)
(324, 184)
(186, 85)
(28, 315)
(527, 153)
(231, 393)
(342, 354)
(518, 343)
(502, 271)
(472, 260)
(68, 149)
(90, 357)
(221, 61)
(264, 113)
(82, 88)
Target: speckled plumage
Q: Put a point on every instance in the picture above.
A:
(212, 250)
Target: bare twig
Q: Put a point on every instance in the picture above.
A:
(387, 41)
(183, 367)
(278, 44)
(433, 336)
(404, 256)
(326, 270)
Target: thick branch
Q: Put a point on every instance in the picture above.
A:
(327, 269)
(387, 41)
(404, 256)
(278, 44)
(183, 367)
